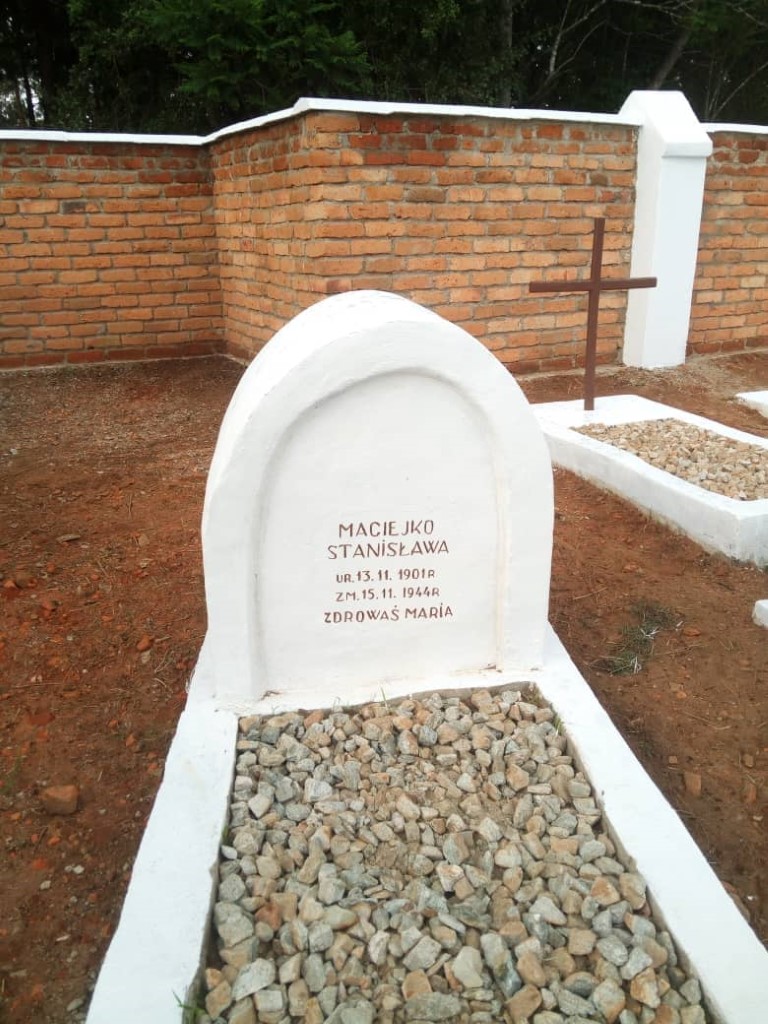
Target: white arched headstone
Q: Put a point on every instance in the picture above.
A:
(379, 509)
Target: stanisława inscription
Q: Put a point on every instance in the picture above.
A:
(387, 594)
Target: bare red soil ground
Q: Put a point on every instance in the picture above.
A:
(102, 614)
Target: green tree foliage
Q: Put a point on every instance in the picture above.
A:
(183, 65)
(437, 51)
(715, 51)
(193, 65)
(36, 53)
(122, 79)
(237, 58)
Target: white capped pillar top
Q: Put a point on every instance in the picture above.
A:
(669, 125)
(673, 148)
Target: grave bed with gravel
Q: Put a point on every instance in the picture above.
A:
(702, 457)
(433, 859)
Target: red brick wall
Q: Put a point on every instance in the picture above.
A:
(458, 214)
(128, 250)
(730, 299)
(263, 209)
(131, 250)
(108, 252)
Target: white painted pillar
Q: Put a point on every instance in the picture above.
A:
(671, 165)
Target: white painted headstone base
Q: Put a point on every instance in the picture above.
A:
(738, 529)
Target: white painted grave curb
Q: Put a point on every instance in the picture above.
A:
(155, 955)
(760, 613)
(157, 950)
(755, 400)
(738, 529)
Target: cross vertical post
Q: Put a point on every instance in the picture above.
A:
(593, 286)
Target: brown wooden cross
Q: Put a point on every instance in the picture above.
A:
(594, 285)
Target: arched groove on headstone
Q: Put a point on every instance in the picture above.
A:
(365, 419)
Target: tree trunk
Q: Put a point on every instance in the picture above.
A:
(505, 97)
(666, 67)
(29, 101)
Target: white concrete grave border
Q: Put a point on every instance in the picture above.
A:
(153, 963)
(154, 959)
(760, 613)
(755, 400)
(738, 529)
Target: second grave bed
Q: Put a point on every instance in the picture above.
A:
(723, 510)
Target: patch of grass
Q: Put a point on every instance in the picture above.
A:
(9, 783)
(638, 637)
(192, 1011)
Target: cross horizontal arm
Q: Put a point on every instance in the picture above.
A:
(605, 285)
(560, 286)
(619, 284)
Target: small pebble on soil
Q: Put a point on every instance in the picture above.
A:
(469, 879)
(60, 799)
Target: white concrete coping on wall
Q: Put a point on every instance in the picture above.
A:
(738, 529)
(391, 108)
(755, 400)
(307, 105)
(157, 951)
(746, 129)
(760, 613)
(124, 138)
(671, 164)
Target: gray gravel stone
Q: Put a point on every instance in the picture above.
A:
(691, 991)
(437, 859)
(546, 907)
(252, 978)
(614, 950)
(423, 955)
(637, 961)
(467, 967)
(232, 923)
(432, 1006)
(232, 889)
(378, 945)
(610, 999)
(270, 1000)
(259, 805)
(313, 972)
(355, 1011)
(320, 937)
(573, 1005)
(692, 1015)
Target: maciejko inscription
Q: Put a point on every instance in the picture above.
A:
(390, 593)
